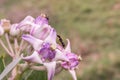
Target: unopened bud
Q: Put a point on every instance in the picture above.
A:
(14, 31)
(5, 24)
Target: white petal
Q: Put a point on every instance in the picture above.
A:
(50, 69)
(60, 56)
(26, 24)
(35, 58)
(36, 43)
(13, 30)
(29, 18)
(51, 37)
(68, 48)
(41, 32)
(73, 73)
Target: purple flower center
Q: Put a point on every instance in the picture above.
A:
(46, 52)
(73, 61)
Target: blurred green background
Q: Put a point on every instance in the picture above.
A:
(93, 27)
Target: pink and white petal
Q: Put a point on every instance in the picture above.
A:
(51, 37)
(35, 58)
(68, 48)
(26, 24)
(29, 18)
(13, 30)
(50, 69)
(73, 73)
(60, 56)
(36, 43)
(41, 32)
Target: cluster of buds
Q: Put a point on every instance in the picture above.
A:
(38, 46)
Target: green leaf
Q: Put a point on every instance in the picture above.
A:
(1, 64)
(38, 75)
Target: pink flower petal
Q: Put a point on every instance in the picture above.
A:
(29, 18)
(40, 32)
(51, 37)
(36, 43)
(26, 24)
(68, 48)
(50, 69)
(60, 56)
(33, 58)
(72, 72)
(13, 30)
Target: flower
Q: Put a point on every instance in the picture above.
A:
(42, 47)
(46, 48)
(41, 28)
(71, 64)
(73, 61)
(46, 52)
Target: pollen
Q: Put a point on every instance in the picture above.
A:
(79, 58)
(53, 46)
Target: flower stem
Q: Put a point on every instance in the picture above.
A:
(26, 78)
(9, 44)
(16, 46)
(5, 48)
(21, 46)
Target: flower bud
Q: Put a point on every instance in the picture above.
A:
(26, 24)
(13, 30)
(5, 24)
